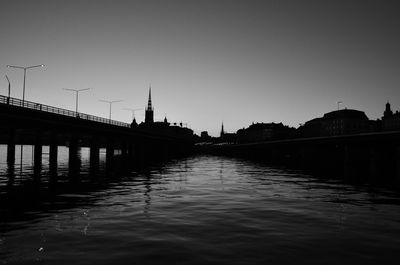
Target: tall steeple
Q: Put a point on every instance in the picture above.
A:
(222, 130)
(149, 102)
(149, 116)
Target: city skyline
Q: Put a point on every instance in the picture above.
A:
(208, 62)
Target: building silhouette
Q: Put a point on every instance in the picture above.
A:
(134, 123)
(390, 120)
(388, 112)
(225, 137)
(161, 127)
(258, 132)
(339, 122)
(345, 121)
(204, 136)
(166, 121)
(311, 128)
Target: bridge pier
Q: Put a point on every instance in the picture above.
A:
(124, 155)
(124, 150)
(73, 158)
(37, 156)
(131, 153)
(140, 154)
(11, 147)
(94, 156)
(109, 155)
(53, 157)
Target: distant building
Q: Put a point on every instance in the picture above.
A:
(346, 121)
(259, 132)
(388, 112)
(375, 125)
(311, 128)
(166, 121)
(226, 137)
(162, 127)
(204, 136)
(134, 123)
(390, 120)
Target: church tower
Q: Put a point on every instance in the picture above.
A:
(149, 116)
(388, 112)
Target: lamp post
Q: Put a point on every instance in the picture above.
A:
(133, 112)
(9, 90)
(110, 102)
(77, 95)
(23, 96)
(24, 68)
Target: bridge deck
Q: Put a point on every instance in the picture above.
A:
(64, 112)
(29, 119)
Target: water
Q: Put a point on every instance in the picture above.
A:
(198, 210)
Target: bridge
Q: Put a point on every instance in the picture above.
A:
(367, 156)
(31, 123)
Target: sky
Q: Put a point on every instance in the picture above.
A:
(208, 62)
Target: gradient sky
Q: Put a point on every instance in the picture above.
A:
(207, 61)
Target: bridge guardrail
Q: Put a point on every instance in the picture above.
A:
(51, 109)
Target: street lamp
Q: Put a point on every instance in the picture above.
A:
(133, 112)
(110, 102)
(23, 95)
(9, 86)
(77, 95)
(24, 68)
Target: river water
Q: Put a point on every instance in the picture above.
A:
(196, 210)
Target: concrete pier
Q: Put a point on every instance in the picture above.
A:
(53, 157)
(109, 154)
(94, 156)
(37, 156)
(11, 147)
(73, 159)
(124, 150)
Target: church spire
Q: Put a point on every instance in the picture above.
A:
(149, 106)
(149, 115)
(222, 130)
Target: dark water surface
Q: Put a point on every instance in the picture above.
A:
(198, 210)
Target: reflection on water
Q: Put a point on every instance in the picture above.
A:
(199, 210)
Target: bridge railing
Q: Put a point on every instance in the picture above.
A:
(51, 109)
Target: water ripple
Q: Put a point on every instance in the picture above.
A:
(200, 210)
